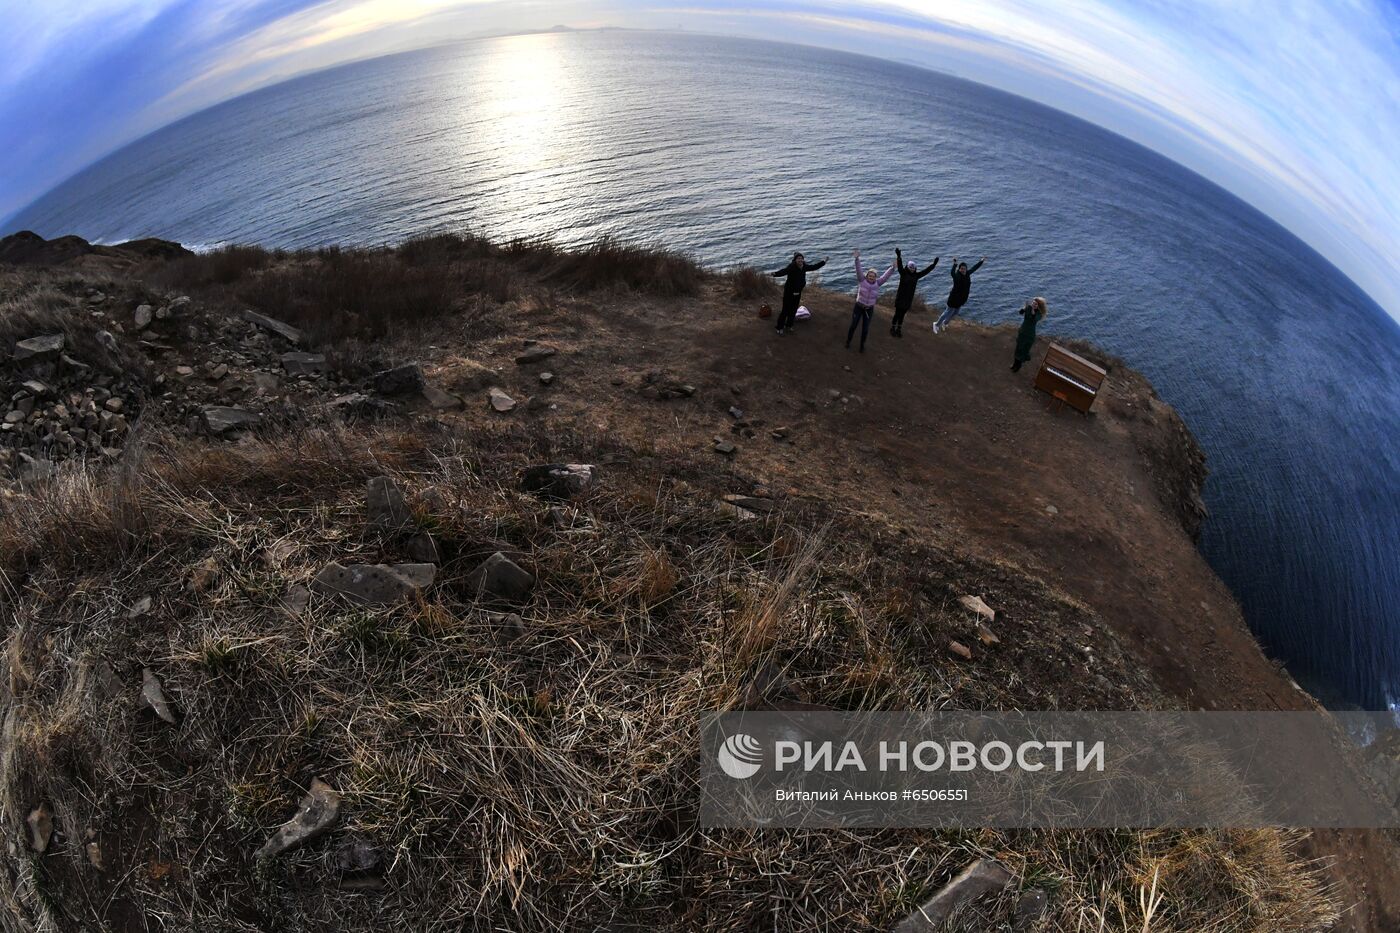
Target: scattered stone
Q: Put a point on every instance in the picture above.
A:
(560, 481)
(358, 405)
(546, 378)
(15, 416)
(154, 696)
(961, 650)
(142, 316)
(724, 447)
(286, 331)
(617, 380)
(184, 371)
(296, 363)
(535, 354)
(498, 575)
(266, 383)
(499, 400)
(423, 548)
(374, 584)
(1030, 908)
(751, 503)
(976, 604)
(385, 507)
(296, 599)
(987, 636)
(400, 380)
(107, 340)
(833, 394)
(39, 349)
(984, 876)
(141, 608)
(36, 388)
(220, 419)
(509, 626)
(316, 814)
(780, 433)
(441, 400)
(1051, 510)
(40, 823)
(113, 404)
(736, 412)
(358, 856)
(734, 511)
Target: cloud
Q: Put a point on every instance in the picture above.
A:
(1293, 105)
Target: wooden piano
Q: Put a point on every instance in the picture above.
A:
(1069, 378)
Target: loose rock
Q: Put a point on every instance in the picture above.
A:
(286, 331)
(983, 876)
(498, 575)
(317, 813)
(374, 584)
(39, 349)
(386, 510)
(303, 364)
(154, 696)
(423, 548)
(976, 604)
(499, 400)
(220, 419)
(142, 316)
(561, 481)
(535, 355)
(401, 380)
(961, 650)
(441, 400)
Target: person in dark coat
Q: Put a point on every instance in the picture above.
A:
(1031, 314)
(957, 297)
(796, 274)
(909, 276)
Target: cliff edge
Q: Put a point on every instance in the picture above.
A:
(206, 455)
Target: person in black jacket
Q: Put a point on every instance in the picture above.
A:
(796, 274)
(957, 297)
(909, 276)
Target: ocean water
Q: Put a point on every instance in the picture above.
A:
(742, 151)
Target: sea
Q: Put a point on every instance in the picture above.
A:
(741, 151)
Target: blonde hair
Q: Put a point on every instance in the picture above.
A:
(1040, 305)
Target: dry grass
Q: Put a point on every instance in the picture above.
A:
(544, 782)
(750, 284)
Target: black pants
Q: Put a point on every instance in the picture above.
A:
(861, 315)
(788, 315)
(898, 323)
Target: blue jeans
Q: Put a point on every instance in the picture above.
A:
(860, 315)
(948, 314)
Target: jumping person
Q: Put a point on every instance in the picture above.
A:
(908, 283)
(796, 274)
(867, 293)
(1032, 313)
(962, 285)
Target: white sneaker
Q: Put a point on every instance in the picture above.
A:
(935, 327)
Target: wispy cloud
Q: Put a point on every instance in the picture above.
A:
(1294, 105)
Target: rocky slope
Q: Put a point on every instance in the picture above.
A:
(304, 634)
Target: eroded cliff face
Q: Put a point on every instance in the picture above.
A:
(770, 521)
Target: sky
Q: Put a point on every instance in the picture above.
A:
(1293, 105)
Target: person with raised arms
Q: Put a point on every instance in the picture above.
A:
(909, 275)
(867, 293)
(957, 297)
(795, 272)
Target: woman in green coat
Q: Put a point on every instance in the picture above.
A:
(1031, 315)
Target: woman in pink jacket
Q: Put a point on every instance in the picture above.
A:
(867, 293)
